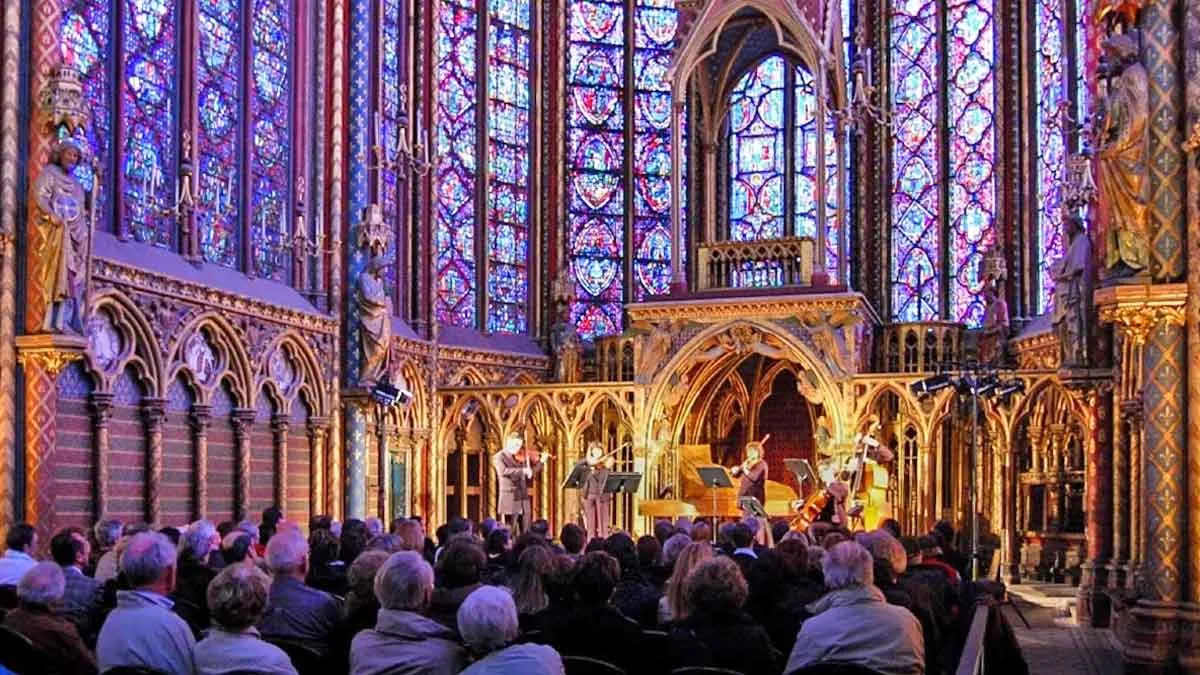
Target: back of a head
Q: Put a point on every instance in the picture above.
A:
(847, 564)
(225, 527)
(572, 538)
(171, 533)
(360, 576)
(673, 547)
(596, 577)
(701, 532)
(487, 620)
(663, 529)
(912, 547)
(458, 525)
(353, 540)
(891, 525)
(287, 553)
(621, 547)
(715, 587)
(462, 563)
(594, 544)
(540, 527)
(320, 522)
(796, 551)
(20, 537)
(927, 544)
(42, 586)
(648, 550)
(271, 516)
(412, 535)
(66, 546)
(323, 547)
(498, 541)
(944, 528)
(374, 527)
(107, 532)
(404, 582)
(883, 546)
(386, 542)
(197, 542)
(486, 526)
(741, 535)
(237, 597)
(235, 547)
(146, 558)
(251, 529)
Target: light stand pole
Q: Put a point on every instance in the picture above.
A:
(971, 466)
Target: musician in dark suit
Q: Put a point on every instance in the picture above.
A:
(753, 473)
(514, 472)
(597, 504)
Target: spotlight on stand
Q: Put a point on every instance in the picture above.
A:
(1006, 390)
(387, 394)
(930, 385)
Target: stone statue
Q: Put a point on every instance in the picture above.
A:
(375, 319)
(64, 234)
(993, 335)
(1123, 152)
(569, 357)
(655, 348)
(1072, 276)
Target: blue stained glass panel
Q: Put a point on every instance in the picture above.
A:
(270, 134)
(218, 82)
(86, 28)
(756, 153)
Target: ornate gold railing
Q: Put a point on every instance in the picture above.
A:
(768, 263)
(920, 347)
(614, 358)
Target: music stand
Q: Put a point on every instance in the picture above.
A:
(754, 507)
(803, 471)
(714, 477)
(622, 481)
(578, 474)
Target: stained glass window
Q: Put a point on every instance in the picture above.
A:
(508, 165)
(86, 26)
(388, 107)
(757, 154)
(454, 173)
(218, 83)
(972, 130)
(149, 104)
(270, 137)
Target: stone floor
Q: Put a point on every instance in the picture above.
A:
(1055, 644)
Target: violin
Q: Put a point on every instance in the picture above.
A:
(531, 456)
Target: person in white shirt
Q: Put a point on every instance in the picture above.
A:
(21, 542)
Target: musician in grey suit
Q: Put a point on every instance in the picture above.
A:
(514, 472)
(597, 504)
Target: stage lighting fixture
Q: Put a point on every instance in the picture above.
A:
(1009, 388)
(387, 394)
(930, 384)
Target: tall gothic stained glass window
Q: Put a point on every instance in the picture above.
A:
(218, 146)
(390, 114)
(149, 105)
(86, 37)
(484, 163)
(508, 165)
(270, 137)
(938, 239)
(757, 154)
(618, 154)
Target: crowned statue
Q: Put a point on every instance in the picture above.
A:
(63, 229)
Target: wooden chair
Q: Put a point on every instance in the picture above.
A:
(306, 659)
(583, 665)
(18, 653)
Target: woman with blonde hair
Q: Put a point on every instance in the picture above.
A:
(673, 606)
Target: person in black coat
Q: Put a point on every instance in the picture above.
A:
(594, 627)
(780, 592)
(716, 632)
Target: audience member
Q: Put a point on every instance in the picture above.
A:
(172, 534)
(742, 538)
(251, 529)
(320, 522)
(403, 639)
(238, 547)
(931, 557)
(485, 528)
(572, 537)
(488, 623)
(374, 527)
(701, 532)
(529, 586)
(853, 624)
(295, 611)
(540, 527)
(780, 591)
(780, 530)
(20, 544)
(82, 595)
(950, 553)
(717, 633)
(142, 631)
(39, 591)
(674, 546)
(353, 540)
(673, 605)
(271, 517)
(595, 627)
(412, 535)
(224, 528)
(890, 561)
(361, 609)
(891, 525)
(459, 572)
(326, 571)
(107, 533)
(237, 598)
(193, 574)
(649, 554)
(635, 596)
(663, 529)
(386, 542)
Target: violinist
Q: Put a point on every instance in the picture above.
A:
(597, 504)
(753, 473)
(515, 470)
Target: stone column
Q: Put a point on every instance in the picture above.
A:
(243, 420)
(1093, 600)
(1160, 39)
(1137, 502)
(679, 272)
(384, 493)
(10, 204)
(42, 358)
(154, 410)
(279, 430)
(356, 456)
(1164, 458)
(201, 419)
(1012, 533)
(318, 427)
(101, 405)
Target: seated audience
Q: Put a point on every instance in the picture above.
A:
(20, 544)
(193, 573)
(39, 591)
(594, 627)
(950, 553)
(172, 534)
(498, 547)
(540, 527)
(326, 572)
(854, 624)
(742, 539)
(107, 534)
(82, 596)
(374, 527)
(320, 522)
(717, 633)
(487, 621)
(361, 609)
(485, 528)
(412, 535)
(890, 562)
(891, 525)
(236, 600)
(649, 554)
(295, 611)
(672, 606)
(931, 557)
(352, 541)
(663, 529)
(271, 517)
(238, 547)
(386, 542)
(572, 537)
(529, 586)
(780, 591)
(404, 640)
(142, 631)
(459, 572)
(635, 596)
